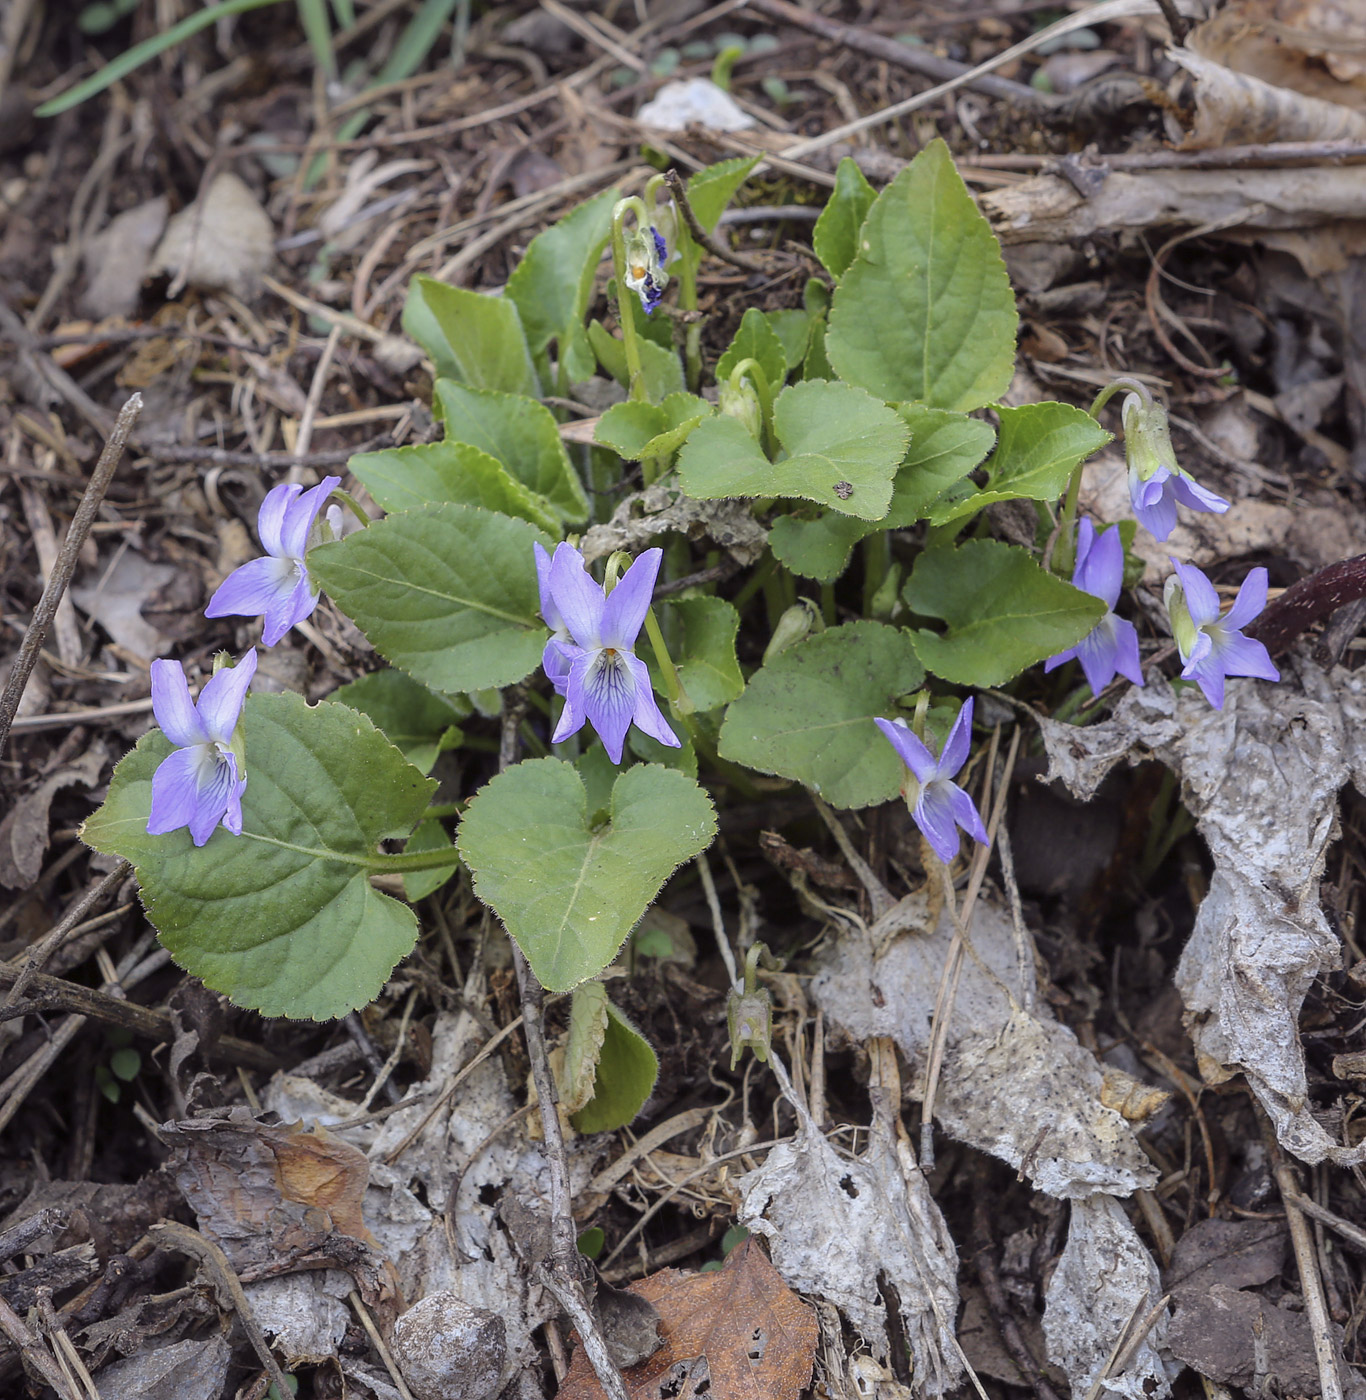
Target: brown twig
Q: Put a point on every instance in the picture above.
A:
(1177, 22)
(1307, 601)
(34, 1352)
(222, 457)
(65, 566)
(713, 245)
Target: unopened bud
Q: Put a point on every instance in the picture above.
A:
(738, 399)
(793, 626)
(749, 1019)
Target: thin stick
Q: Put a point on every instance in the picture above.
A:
(65, 566)
(713, 245)
(718, 923)
(315, 392)
(34, 1352)
(1311, 1284)
(385, 1355)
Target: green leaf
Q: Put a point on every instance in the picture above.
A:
(125, 1064)
(1040, 445)
(553, 283)
(626, 1074)
(472, 338)
(419, 722)
(925, 311)
(404, 478)
(706, 657)
(634, 430)
(661, 372)
(835, 237)
(418, 884)
(817, 546)
(755, 339)
(712, 189)
(587, 1031)
(569, 894)
(448, 593)
(522, 435)
(843, 448)
(283, 918)
(792, 326)
(808, 714)
(1003, 611)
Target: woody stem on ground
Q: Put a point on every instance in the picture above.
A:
(709, 241)
(560, 1274)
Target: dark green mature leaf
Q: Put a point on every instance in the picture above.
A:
(448, 593)
(808, 714)
(282, 919)
(1003, 611)
(522, 435)
(471, 338)
(925, 311)
(843, 449)
(835, 237)
(706, 662)
(569, 894)
(418, 720)
(661, 371)
(627, 1068)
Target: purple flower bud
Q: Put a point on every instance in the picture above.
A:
(938, 805)
(202, 782)
(1213, 647)
(1112, 644)
(277, 586)
(1156, 483)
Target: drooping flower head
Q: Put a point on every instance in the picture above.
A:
(202, 782)
(559, 647)
(1213, 647)
(278, 585)
(938, 805)
(1112, 644)
(646, 253)
(606, 685)
(1156, 483)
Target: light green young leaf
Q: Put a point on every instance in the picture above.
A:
(661, 371)
(808, 714)
(569, 894)
(472, 338)
(283, 918)
(792, 326)
(448, 593)
(843, 448)
(405, 478)
(755, 339)
(1003, 611)
(818, 544)
(1040, 445)
(706, 659)
(925, 311)
(418, 721)
(553, 283)
(626, 1073)
(712, 189)
(835, 237)
(587, 1031)
(634, 430)
(418, 884)
(522, 435)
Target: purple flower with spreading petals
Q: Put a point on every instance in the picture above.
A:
(1112, 644)
(606, 684)
(1156, 483)
(938, 805)
(202, 782)
(1213, 647)
(559, 649)
(277, 585)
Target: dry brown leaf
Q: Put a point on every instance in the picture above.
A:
(742, 1328)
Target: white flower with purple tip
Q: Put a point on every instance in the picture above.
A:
(1156, 483)
(1213, 647)
(201, 783)
(938, 805)
(606, 685)
(1112, 644)
(646, 254)
(278, 586)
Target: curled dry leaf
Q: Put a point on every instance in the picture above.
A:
(661, 509)
(1261, 778)
(223, 242)
(740, 1328)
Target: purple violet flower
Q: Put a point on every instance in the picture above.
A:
(278, 584)
(1156, 483)
(646, 254)
(559, 649)
(1112, 644)
(1213, 647)
(938, 805)
(202, 782)
(606, 683)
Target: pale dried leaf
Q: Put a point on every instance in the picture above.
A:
(223, 242)
(114, 597)
(193, 1370)
(24, 829)
(117, 258)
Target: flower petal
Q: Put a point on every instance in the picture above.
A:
(1245, 656)
(556, 660)
(220, 702)
(175, 789)
(1054, 662)
(1153, 505)
(217, 783)
(250, 590)
(270, 522)
(647, 714)
(629, 601)
(1208, 674)
(1250, 601)
(1202, 602)
(549, 611)
(935, 817)
(578, 598)
(1086, 537)
(966, 815)
(955, 751)
(171, 705)
(609, 696)
(232, 817)
(1190, 493)
(910, 748)
(1096, 652)
(1101, 571)
(301, 514)
(572, 716)
(1127, 660)
(289, 608)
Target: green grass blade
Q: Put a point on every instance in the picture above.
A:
(313, 18)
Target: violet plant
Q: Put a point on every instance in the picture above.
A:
(822, 501)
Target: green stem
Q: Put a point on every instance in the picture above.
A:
(632, 204)
(877, 561)
(673, 687)
(759, 379)
(1123, 384)
(418, 860)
